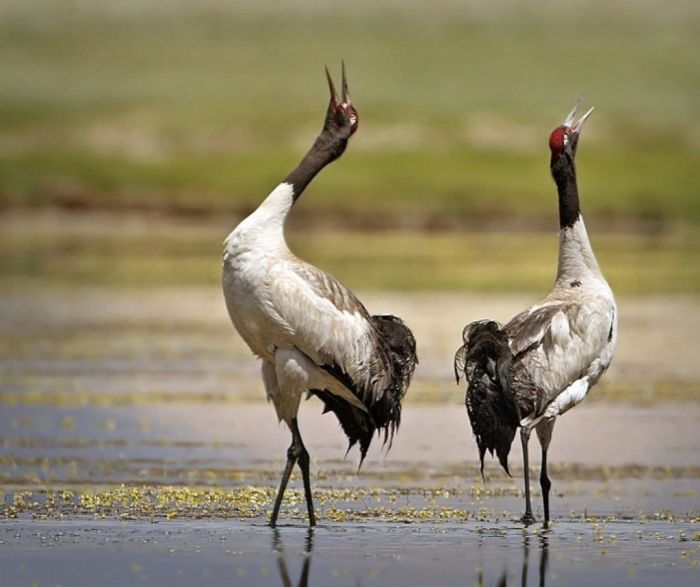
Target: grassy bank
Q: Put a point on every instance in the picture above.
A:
(151, 251)
(413, 189)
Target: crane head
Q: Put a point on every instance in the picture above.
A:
(564, 138)
(341, 117)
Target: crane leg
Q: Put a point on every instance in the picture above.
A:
(291, 461)
(303, 459)
(544, 433)
(296, 453)
(528, 518)
(545, 484)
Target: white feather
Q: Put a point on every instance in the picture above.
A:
(559, 329)
(576, 257)
(567, 399)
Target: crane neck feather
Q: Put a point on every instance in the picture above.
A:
(576, 257)
(264, 228)
(564, 174)
(326, 148)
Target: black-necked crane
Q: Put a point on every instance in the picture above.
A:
(545, 360)
(313, 335)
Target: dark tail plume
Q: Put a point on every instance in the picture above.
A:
(384, 414)
(484, 361)
(401, 349)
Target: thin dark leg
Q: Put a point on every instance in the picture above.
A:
(528, 518)
(544, 433)
(303, 458)
(291, 460)
(545, 484)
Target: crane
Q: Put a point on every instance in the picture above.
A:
(311, 333)
(546, 359)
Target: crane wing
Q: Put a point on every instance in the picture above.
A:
(528, 329)
(559, 342)
(331, 326)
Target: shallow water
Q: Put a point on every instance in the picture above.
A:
(135, 447)
(87, 552)
(179, 493)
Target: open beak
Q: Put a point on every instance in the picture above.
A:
(569, 121)
(344, 93)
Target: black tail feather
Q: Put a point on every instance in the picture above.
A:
(401, 349)
(484, 360)
(384, 414)
(357, 425)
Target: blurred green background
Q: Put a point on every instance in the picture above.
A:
(134, 135)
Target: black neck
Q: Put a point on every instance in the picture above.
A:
(564, 174)
(326, 148)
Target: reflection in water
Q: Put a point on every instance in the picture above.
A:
(278, 547)
(540, 543)
(544, 558)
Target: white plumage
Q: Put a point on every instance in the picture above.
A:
(575, 331)
(278, 302)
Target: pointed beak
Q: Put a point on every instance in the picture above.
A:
(331, 87)
(569, 121)
(345, 95)
(577, 126)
